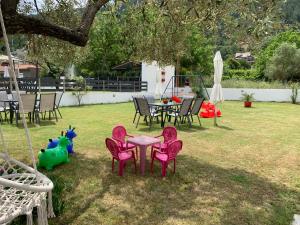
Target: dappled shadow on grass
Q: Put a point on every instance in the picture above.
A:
(182, 127)
(198, 193)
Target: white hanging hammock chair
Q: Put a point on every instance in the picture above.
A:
(22, 187)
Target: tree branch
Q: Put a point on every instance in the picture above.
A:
(17, 23)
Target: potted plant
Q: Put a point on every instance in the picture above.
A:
(248, 99)
(165, 100)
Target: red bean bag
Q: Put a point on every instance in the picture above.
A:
(176, 99)
(208, 110)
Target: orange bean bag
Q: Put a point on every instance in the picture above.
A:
(208, 110)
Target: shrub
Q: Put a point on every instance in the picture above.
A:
(237, 64)
(244, 64)
(249, 74)
(294, 93)
(233, 64)
(271, 46)
(80, 89)
(284, 65)
(234, 83)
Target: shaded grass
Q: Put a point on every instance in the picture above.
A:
(246, 171)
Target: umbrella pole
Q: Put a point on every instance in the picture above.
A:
(215, 118)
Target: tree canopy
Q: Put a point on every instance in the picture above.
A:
(284, 64)
(178, 32)
(26, 17)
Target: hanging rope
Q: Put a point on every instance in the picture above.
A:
(4, 144)
(13, 74)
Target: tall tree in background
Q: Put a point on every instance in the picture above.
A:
(53, 54)
(107, 46)
(291, 12)
(163, 30)
(152, 30)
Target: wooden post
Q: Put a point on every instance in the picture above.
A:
(37, 75)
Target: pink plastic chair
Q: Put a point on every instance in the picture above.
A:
(167, 156)
(119, 134)
(120, 155)
(169, 134)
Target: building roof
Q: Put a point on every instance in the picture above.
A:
(22, 67)
(127, 66)
(4, 58)
(243, 54)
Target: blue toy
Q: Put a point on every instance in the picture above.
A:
(52, 143)
(70, 134)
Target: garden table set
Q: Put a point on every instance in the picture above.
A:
(181, 110)
(33, 105)
(122, 145)
(163, 108)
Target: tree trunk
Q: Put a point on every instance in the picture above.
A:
(177, 71)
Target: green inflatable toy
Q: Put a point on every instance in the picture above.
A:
(48, 158)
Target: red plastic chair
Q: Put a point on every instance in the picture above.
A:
(120, 155)
(119, 134)
(167, 156)
(169, 134)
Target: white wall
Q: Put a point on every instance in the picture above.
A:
(264, 95)
(95, 97)
(152, 73)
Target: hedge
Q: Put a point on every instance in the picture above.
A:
(240, 74)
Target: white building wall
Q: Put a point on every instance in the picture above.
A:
(152, 73)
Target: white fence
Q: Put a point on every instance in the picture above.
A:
(93, 97)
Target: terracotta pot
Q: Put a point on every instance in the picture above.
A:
(247, 104)
(165, 101)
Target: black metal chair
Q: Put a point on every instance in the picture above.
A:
(182, 113)
(58, 97)
(137, 111)
(4, 105)
(151, 99)
(29, 107)
(145, 111)
(196, 109)
(46, 104)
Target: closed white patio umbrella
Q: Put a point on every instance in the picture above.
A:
(216, 95)
(6, 73)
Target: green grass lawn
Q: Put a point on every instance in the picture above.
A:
(246, 171)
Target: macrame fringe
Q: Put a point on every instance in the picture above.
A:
(42, 213)
(29, 218)
(50, 205)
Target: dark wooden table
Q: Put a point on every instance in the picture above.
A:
(164, 108)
